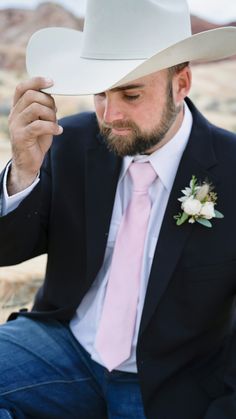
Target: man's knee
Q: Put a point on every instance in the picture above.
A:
(5, 414)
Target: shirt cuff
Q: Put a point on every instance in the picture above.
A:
(9, 203)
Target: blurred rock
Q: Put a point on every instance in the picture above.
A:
(19, 283)
(201, 25)
(17, 26)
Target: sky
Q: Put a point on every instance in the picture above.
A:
(218, 11)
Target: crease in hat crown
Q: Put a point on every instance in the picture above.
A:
(133, 29)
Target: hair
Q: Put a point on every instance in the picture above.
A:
(177, 68)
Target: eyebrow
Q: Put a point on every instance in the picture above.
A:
(128, 87)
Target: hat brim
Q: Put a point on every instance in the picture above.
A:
(55, 53)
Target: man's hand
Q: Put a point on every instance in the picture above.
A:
(32, 124)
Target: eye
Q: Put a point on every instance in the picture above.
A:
(131, 97)
(100, 95)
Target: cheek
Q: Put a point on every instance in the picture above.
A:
(150, 112)
(150, 117)
(99, 108)
(156, 110)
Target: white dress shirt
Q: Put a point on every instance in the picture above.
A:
(165, 162)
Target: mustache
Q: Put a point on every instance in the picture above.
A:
(118, 125)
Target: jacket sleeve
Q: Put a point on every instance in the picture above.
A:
(23, 232)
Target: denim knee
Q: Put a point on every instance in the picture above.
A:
(5, 414)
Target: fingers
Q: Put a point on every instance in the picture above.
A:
(37, 111)
(40, 128)
(24, 127)
(32, 102)
(36, 83)
(32, 123)
(32, 96)
(31, 109)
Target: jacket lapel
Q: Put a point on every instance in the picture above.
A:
(198, 159)
(102, 173)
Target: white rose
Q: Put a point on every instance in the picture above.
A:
(207, 210)
(192, 206)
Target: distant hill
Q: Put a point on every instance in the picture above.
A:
(200, 25)
(17, 25)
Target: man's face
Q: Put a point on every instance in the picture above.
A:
(135, 118)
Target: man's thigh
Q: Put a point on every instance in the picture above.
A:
(124, 399)
(43, 374)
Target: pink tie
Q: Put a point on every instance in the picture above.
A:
(116, 329)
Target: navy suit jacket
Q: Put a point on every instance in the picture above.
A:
(186, 352)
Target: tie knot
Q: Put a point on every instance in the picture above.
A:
(142, 175)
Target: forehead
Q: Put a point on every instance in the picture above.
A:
(150, 80)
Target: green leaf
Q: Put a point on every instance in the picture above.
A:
(182, 219)
(193, 183)
(204, 222)
(218, 214)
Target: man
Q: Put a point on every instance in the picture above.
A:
(136, 315)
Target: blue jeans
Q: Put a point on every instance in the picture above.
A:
(46, 373)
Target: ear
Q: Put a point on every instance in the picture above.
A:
(182, 82)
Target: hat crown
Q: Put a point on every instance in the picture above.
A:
(133, 29)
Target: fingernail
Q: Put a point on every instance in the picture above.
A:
(48, 81)
(60, 129)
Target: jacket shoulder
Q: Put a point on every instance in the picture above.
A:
(82, 123)
(224, 143)
(79, 120)
(78, 130)
(222, 140)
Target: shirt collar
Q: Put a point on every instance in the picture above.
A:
(165, 160)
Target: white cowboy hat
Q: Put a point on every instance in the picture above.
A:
(122, 41)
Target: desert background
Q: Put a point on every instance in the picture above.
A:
(214, 92)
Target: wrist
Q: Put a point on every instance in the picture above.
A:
(18, 179)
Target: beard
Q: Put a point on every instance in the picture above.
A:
(140, 141)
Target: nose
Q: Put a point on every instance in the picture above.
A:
(112, 110)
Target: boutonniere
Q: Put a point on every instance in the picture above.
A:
(198, 204)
